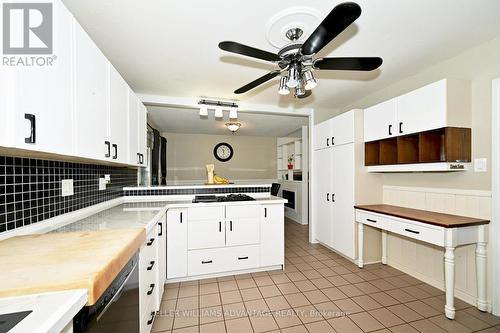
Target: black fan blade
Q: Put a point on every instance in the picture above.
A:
(342, 16)
(257, 82)
(349, 64)
(248, 51)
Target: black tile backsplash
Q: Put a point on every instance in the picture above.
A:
(194, 191)
(30, 189)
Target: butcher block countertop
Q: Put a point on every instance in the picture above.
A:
(439, 219)
(62, 261)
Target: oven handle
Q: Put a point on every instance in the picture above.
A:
(117, 295)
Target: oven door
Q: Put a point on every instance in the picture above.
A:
(121, 313)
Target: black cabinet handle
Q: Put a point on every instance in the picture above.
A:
(142, 158)
(206, 262)
(115, 147)
(242, 258)
(230, 225)
(401, 127)
(220, 226)
(265, 212)
(152, 287)
(390, 129)
(328, 197)
(150, 321)
(151, 241)
(138, 158)
(333, 197)
(151, 265)
(413, 231)
(160, 224)
(333, 143)
(181, 217)
(32, 120)
(372, 221)
(108, 144)
(328, 142)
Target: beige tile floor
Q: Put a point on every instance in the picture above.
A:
(318, 291)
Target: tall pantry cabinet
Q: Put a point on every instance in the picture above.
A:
(340, 182)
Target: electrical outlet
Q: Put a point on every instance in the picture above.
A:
(107, 178)
(480, 165)
(102, 184)
(67, 187)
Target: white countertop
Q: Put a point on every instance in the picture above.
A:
(51, 311)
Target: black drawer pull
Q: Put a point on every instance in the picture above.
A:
(412, 231)
(242, 258)
(220, 226)
(151, 241)
(230, 225)
(206, 262)
(265, 212)
(32, 120)
(152, 287)
(372, 221)
(150, 321)
(151, 264)
(181, 217)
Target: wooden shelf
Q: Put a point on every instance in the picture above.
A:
(443, 145)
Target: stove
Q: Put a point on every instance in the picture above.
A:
(230, 197)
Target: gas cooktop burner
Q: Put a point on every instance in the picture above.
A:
(230, 197)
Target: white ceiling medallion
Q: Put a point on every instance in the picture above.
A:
(305, 18)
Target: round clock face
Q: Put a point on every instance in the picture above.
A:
(223, 152)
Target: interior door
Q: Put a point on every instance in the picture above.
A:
(422, 109)
(118, 116)
(323, 187)
(342, 232)
(380, 121)
(242, 231)
(42, 103)
(91, 98)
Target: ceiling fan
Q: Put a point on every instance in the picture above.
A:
(296, 60)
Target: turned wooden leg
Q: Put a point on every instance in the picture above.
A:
(360, 244)
(384, 247)
(449, 276)
(482, 303)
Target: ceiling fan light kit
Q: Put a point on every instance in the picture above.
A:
(296, 59)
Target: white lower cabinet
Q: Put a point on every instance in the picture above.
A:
(148, 287)
(161, 255)
(217, 239)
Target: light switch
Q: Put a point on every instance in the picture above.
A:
(67, 187)
(480, 165)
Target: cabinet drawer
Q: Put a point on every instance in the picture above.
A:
(243, 211)
(417, 231)
(243, 257)
(374, 220)
(206, 261)
(202, 213)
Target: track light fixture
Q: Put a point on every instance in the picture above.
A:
(205, 104)
(233, 113)
(203, 110)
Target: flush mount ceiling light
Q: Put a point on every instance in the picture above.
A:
(233, 126)
(233, 113)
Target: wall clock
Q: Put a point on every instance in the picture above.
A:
(223, 152)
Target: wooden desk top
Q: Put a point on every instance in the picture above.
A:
(424, 216)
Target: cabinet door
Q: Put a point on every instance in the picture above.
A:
(323, 188)
(242, 231)
(133, 128)
(342, 232)
(143, 132)
(422, 109)
(380, 121)
(272, 237)
(205, 234)
(91, 81)
(161, 259)
(322, 135)
(118, 116)
(177, 243)
(342, 129)
(42, 103)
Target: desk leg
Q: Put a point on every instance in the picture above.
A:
(482, 303)
(360, 244)
(384, 247)
(449, 275)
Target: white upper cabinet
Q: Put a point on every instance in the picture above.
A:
(38, 109)
(133, 128)
(380, 121)
(142, 135)
(335, 131)
(445, 103)
(91, 94)
(322, 135)
(118, 116)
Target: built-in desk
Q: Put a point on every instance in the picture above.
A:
(445, 230)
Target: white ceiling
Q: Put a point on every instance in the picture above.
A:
(170, 47)
(183, 120)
